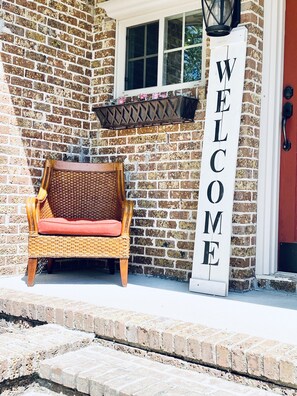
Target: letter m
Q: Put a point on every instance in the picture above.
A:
(227, 69)
(214, 224)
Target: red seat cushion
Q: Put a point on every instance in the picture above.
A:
(61, 226)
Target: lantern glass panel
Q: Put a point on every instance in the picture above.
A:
(218, 16)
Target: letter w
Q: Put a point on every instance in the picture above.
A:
(227, 69)
(214, 224)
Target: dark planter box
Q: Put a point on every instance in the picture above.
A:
(170, 110)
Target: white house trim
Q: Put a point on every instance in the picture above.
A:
(120, 9)
(270, 137)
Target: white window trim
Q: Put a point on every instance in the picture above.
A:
(270, 137)
(126, 9)
(160, 12)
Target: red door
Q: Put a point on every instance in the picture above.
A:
(288, 184)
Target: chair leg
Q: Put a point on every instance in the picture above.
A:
(50, 264)
(32, 265)
(124, 271)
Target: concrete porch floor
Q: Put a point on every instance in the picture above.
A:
(267, 314)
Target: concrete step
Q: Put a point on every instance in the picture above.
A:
(97, 370)
(21, 353)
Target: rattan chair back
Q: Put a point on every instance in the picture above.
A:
(92, 193)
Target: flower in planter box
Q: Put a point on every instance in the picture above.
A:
(163, 95)
(121, 100)
(159, 95)
(142, 96)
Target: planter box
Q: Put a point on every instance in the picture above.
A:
(170, 110)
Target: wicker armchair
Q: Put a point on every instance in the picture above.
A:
(80, 211)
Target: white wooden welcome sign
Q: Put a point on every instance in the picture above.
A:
(210, 272)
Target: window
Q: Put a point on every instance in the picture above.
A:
(182, 49)
(161, 54)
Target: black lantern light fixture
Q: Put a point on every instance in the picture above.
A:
(220, 16)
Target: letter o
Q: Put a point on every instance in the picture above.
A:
(210, 191)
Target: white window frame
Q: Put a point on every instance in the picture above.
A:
(120, 64)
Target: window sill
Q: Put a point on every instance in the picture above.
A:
(175, 109)
(173, 89)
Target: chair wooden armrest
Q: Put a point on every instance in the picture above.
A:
(42, 195)
(127, 212)
(31, 208)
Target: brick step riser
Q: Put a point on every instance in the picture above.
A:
(246, 355)
(97, 370)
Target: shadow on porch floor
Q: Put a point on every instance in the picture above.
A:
(268, 314)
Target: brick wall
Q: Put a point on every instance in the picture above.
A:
(45, 72)
(162, 166)
(162, 170)
(57, 60)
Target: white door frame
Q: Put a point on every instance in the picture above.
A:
(270, 137)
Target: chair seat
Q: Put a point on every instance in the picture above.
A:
(81, 227)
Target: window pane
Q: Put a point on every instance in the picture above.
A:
(142, 56)
(193, 29)
(151, 71)
(134, 78)
(192, 64)
(135, 41)
(172, 68)
(173, 32)
(152, 38)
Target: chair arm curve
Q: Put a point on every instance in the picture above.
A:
(42, 195)
(31, 209)
(127, 212)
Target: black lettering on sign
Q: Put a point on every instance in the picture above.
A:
(214, 224)
(227, 69)
(218, 128)
(220, 191)
(221, 100)
(210, 254)
(213, 159)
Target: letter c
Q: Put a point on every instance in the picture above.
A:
(212, 161)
